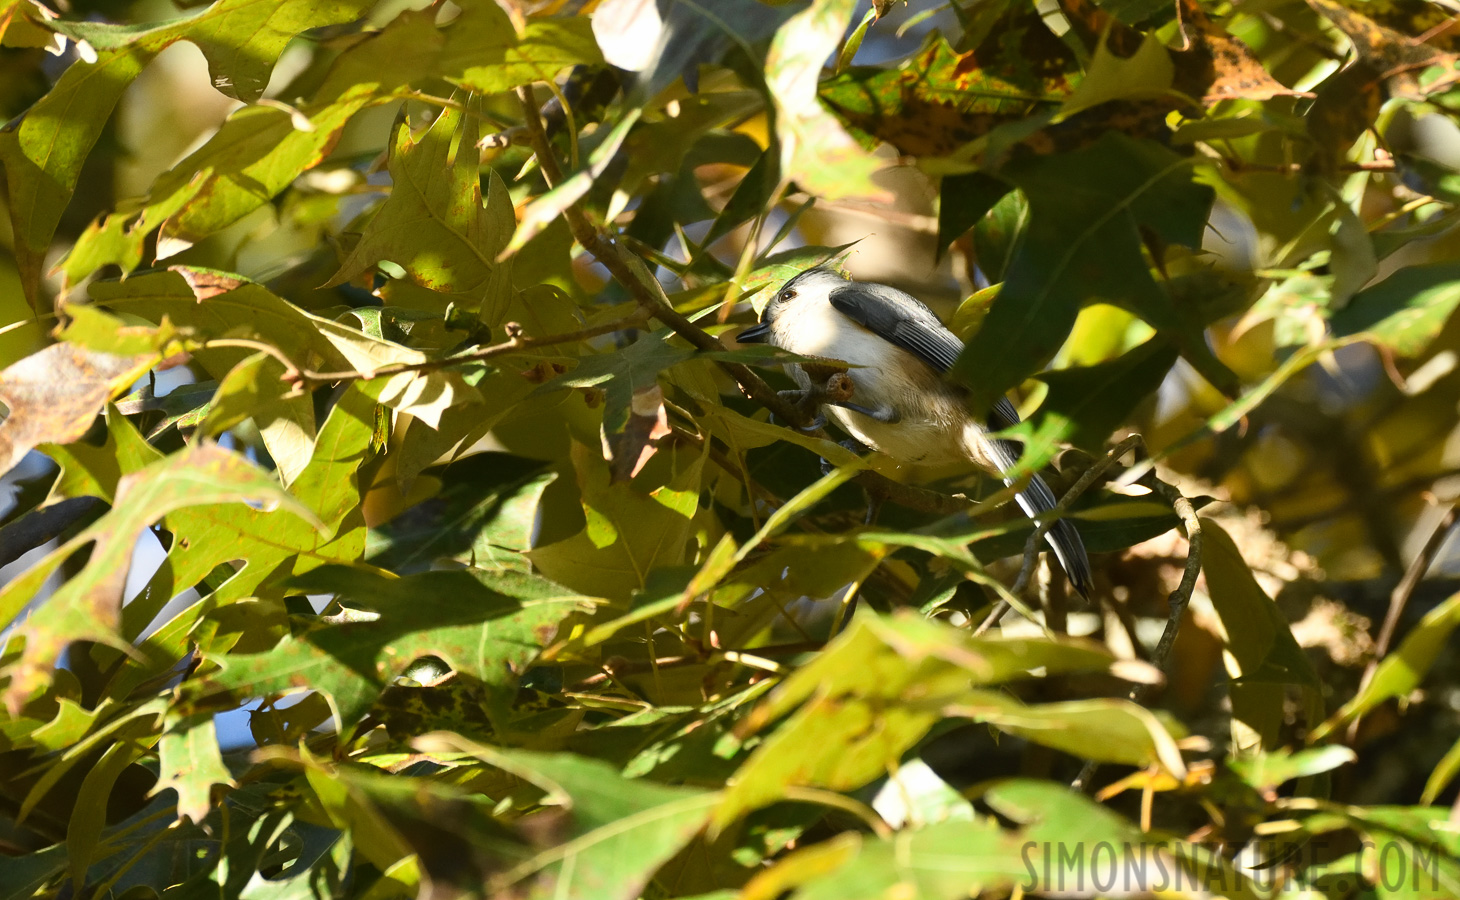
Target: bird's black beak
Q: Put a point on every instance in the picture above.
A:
(755, 334)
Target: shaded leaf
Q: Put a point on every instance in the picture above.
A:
(628, 534)
(1083, 244)
(1404, 311)
(488, 625)
(1262, 654)
(191, 764)
(43, 153)
(1086, 403)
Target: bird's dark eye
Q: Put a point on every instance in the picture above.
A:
(788, 295)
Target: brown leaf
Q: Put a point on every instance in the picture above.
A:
(1214, 66)
(1385, 50)
(54, 396)
(629, 451)
(939, 100)
(207, 283)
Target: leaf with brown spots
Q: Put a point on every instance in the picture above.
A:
(54, 396)
(1213, 66)
(1384, 50)
(88, 606)
(939, 100)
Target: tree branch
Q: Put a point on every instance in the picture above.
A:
(629, 271)
(38, 526)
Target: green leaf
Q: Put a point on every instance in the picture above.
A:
(274, 546)
(1265, 771)
(488, 625)
(1261, 652)
(629, 533)
(545, 48)
(1117, 731)
(255, 389)
(1083, 244)
(1086, 403)
(853, 42)
(546, 209)
(83, 832)
(623, 372)
(816, 152)
(88, 606)
(1405, 311)
(483, 516)
(1443, 773)
(222, 305)
(43, 153)
(91, 471)
(191, 763)
(872, 694)
(963, 201)
(622, 830)
(963, 859)
(434, 225)
(1145, 74)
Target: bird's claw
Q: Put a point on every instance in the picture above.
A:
(885, 414)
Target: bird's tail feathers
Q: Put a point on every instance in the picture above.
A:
(1063, 537)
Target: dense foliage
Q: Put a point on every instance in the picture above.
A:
(398, 337)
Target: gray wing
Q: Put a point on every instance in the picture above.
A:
(901, 319)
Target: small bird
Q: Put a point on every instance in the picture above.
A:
(900, 403)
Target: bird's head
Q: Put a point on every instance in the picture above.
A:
(809, 287)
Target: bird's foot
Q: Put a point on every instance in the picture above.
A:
(885, 414)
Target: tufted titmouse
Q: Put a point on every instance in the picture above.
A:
(900, 403)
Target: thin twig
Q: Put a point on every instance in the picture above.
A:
(1177, 601)
(1238, 166)
(623, 668)
(1399, 599)
(1048, 520)
(516, 341)
(1180, 597)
